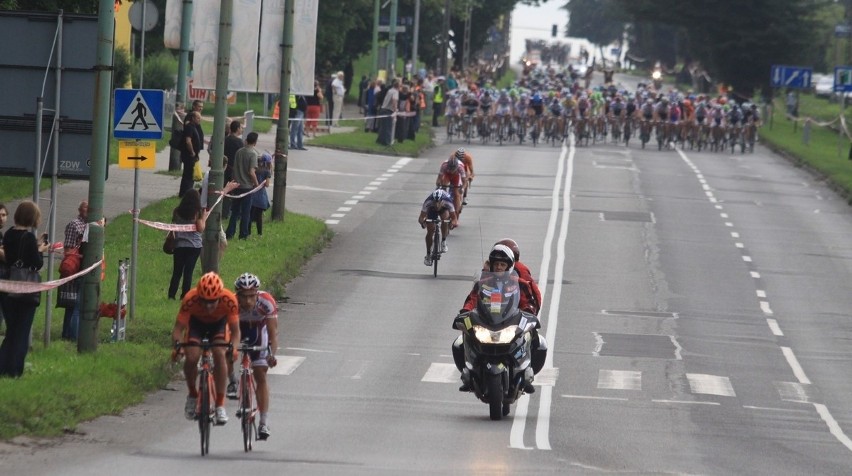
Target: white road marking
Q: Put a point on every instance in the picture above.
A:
(747, 259)
(379, 180)
(372, 189)
(315, 189)
(375, 183)
(332, 222)
(798, 371)
(286, 364)
(366, 191)
(792, 392)
(442, 373)
(344, 209)
(774, 327)
(729, 224)
(319, 351)
(599, 342)
(761, 293)
(359, 197)
(719, 207)
(754, 274)
(591, 397)
(350, 202)
(735, 234)
(338, 215)
(791, 410)
(764, 306)
(687, 402)
(833, 426)
(323, 172)
(620, 379)
(711, 385)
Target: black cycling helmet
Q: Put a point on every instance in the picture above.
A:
(501, 253)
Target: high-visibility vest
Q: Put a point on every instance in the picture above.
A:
(292, 101)
(439, 95)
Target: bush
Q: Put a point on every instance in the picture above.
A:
(160, 71)
(121, 67)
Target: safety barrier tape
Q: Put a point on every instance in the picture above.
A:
(8, 286)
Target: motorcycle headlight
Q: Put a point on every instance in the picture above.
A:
(656, 75)
(502, 336)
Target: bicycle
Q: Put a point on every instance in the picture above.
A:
(247, 411)
(435, 252)
(205, 407)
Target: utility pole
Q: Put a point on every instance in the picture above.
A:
(282, 137)
(445, 39)
(88, 337)
(183, 69)
(392, 40)
(376, 9)
(466, 41)
(415, 37)
(210, 241)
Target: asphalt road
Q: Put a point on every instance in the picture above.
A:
(696, 305)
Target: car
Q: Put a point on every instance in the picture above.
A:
(824, 86)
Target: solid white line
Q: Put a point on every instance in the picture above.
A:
(686, 402)
(773, 326)
(798, 371)
(590, 397)
(764, 306)
(286, 364)
(833, 426)
(792, 410)
(312, 350)
(519, 424)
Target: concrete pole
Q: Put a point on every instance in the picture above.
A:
(94, 251)
(392, 40)
(445, 40)
(415, 37)
(282, 136)
(54, 180)
(183, 69)
(216, 177)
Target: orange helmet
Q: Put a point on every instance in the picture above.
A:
(210, 286)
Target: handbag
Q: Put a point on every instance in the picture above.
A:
(169, 244)
(197, 174)
(70, 262)
(25, 274)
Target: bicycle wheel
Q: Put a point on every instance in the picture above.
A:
(204, 413)
(246, 416)
(436, 249)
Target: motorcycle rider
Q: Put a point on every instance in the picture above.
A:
(500, 260)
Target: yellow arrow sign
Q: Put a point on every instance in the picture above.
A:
(137, 154)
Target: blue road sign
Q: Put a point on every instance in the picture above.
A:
(843, 79)
(798, 77)
(138, 114)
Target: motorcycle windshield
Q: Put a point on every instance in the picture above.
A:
(498, 297)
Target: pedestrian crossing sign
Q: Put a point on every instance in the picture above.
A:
(138, 114)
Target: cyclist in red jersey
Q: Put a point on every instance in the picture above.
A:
(206, 311)
(452, 174)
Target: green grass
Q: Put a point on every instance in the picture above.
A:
(61, 388)
(360, 141)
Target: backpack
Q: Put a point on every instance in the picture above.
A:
(70, 262)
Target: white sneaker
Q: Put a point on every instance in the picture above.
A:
(189, 408)
(427, 260)
(444, 247)
(221, 416)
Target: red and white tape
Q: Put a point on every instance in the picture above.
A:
(8, 286)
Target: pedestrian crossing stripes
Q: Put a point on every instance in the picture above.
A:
(620, 379)
(286, 364)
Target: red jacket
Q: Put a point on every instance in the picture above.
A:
(525, 274)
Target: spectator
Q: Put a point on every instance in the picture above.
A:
(298, 107)
(233, 143)
(329, 100)
(19, 243)
(313, 112)
(245, 166)
(187, 243)
(389, 106)
(792, 104)
(369, 106)
(69, 293)
(338, 91)
(260, 199)
(403, 107)
(192, 144)
(362, 94)
(438, 98)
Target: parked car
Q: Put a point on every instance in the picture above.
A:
(824, 86)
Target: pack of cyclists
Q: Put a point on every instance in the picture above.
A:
(548, 109)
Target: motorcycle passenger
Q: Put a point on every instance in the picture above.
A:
(437, 204)
(258, 327)
(453, 176)
(206, 311)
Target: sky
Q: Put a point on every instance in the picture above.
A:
(536, 22)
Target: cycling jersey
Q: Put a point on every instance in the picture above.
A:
(485, 103)
(616, 108)
(253, 326)
(470, 105)
(454, 179)
(432, 208)
(674, 113)
(663, 112)
(647, 111)
(191, 306)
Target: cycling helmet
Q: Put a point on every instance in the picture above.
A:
(453, 164)
(512, 246)
(460, 153)
(501, 253)
(210, 286)
(437, 194)
(246, 281)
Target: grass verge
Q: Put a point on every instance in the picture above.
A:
(61, 388)
(360, 141)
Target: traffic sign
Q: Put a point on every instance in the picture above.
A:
(138, 114)
(797, 77)
(843, 79)
(137, 154)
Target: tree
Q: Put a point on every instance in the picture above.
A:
(600, 21)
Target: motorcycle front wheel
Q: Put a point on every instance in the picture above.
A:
(494, 387)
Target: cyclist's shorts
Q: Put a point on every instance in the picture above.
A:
(432, 214)
(213, 331)
(255, 335)
(538, 110)
(699, 119)
(647, 116)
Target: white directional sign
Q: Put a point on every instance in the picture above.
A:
(138, 114)
(843, 79)
(798, 77)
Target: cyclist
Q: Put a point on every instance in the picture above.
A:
(437, 204)
(259, 327)
(470, 105)
(207, 311)
(453, 176)
(467, 160)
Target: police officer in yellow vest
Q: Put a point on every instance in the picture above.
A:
(438, 100)
(298, 107)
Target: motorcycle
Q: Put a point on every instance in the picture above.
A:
(657, 78)
(499, 351)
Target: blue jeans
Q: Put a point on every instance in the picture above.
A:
(240, 211)
(297, 130)
(71, 323)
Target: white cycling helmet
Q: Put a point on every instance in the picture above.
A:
(247, 281)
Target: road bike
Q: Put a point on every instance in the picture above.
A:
(437, 235)
(205, 407)
(247, 411)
